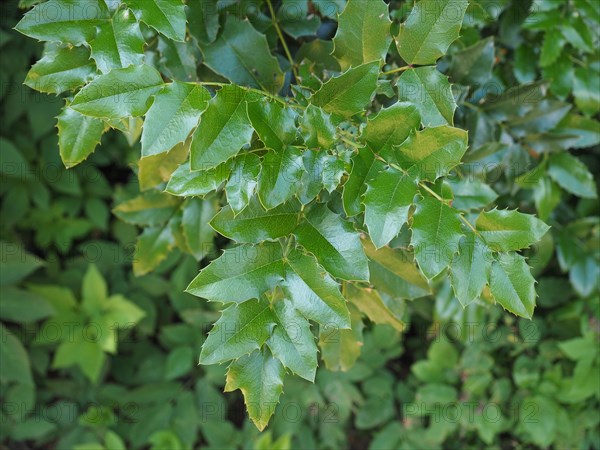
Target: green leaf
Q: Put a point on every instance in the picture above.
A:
(433, 152)
(23, 307)
(151, 248)
(430, 92)
(158, 169)
(280, 175)
(174, 113)
(199, 236)
(223, 130)
(16, 263)
(260, 378)
(78, 136)
(94, 291)
(395, 273)
(179, 60)
(239, 274)
(572, 175)
(61, 69)
(350, 92)
(149, 208)
(391, 125)
(473, 65)
(436, 232)
(470, 269)
(582, 131)
(292, 342)
(165, 16)
(373, 305)
(551, 48)
(313, 292)
(15, 361)
(179, 362)
(274, 124)
(363, 34)
(509, 230)
(240, 330)
(241, 54)
(587, 90)
(387, 201)
(321, 171)
(119, 93)
(471, 193)
(430, 29)
(340, 348)
(243, 181)
(87, 355)
(317, 129)
(364, 168)
(254, 224)
(334, 243)
(119, 42)
(203, 23)
(512, 285)
(186, 183)
(64, 21)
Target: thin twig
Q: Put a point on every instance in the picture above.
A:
(282, 39)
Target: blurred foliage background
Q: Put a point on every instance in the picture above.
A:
(451, 378)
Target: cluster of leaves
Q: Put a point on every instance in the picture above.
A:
(335, 169)
(303, 176)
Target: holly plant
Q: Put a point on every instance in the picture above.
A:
(327, 164)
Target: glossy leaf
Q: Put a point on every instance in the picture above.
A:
(78, 136)
(255, 224)
(470, 269)
(334, 243)
(572, 175)
(436, 233)
(165, 16)
(223, 130)
(174, 113)
(512, 285)
(430, 92)
(509, 230)
(281, 172)
(240, 274)
(274, 124)
(348, 93)
(118, 43)
(260, 378)
(363, 34)
(119, 93)
(430, 29)
(242, 182)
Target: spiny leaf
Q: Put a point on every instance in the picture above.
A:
(241, 54)
(363, 33)
(430, 29)
(436, 232)
(61, 69)
(281, 172)
(198, 234)
(313, 292)
(470, 269)
(349, 93)
(512, 285)
(340, 348)
(78, 136)
(334, 243)
(175, 111)
(274, 124)
(119, 93)
(255, 224)
(433, 152)
(572, 175)
(240, 274)
(64, 21)
(387, 201)
(317, 129)
(165, 16)
(223, 130)
(240, 330)
(119, 42)
(242, 182)
(395, 272)
(260, 378)
(391, 126)
(509, 230)
(187, 183)
(430, 92)
(292, 342)
(374, 306)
